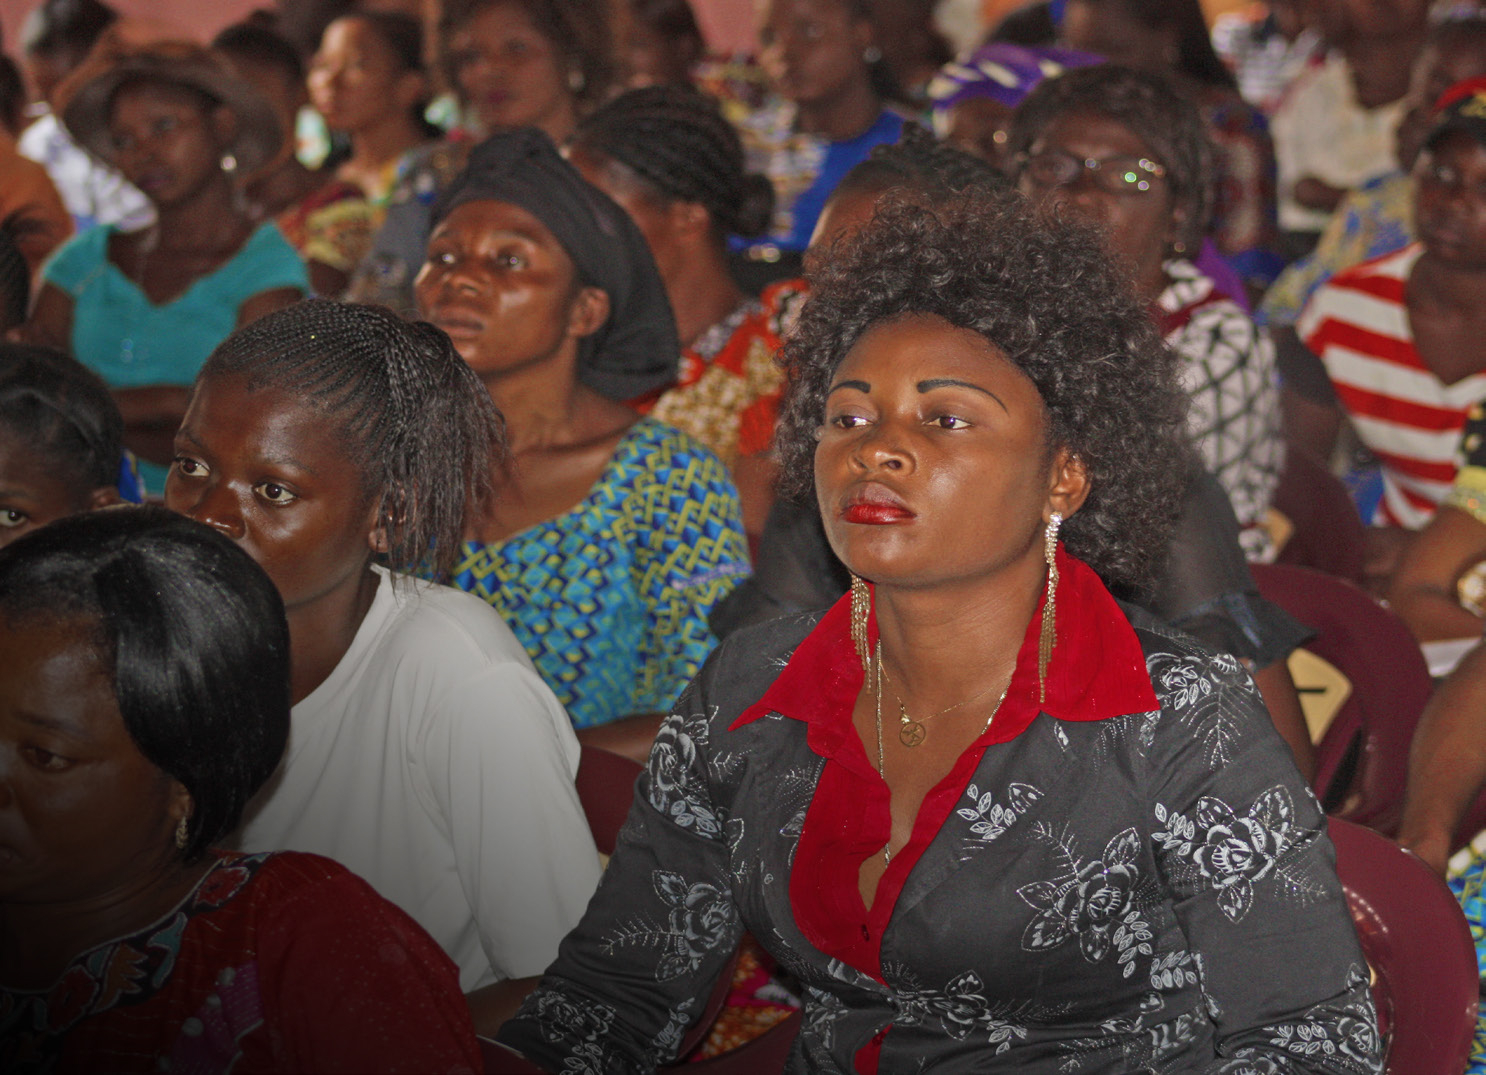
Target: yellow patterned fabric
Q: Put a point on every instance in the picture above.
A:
(611, 599)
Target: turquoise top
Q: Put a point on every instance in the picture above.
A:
(611, 598)
(130, 342)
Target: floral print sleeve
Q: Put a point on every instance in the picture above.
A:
(1240, 843)
(636, 972)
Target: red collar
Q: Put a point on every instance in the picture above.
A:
(1097, 669)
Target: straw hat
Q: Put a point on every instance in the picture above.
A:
(88, 93)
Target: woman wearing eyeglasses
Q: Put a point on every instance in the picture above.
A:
(1122, 150)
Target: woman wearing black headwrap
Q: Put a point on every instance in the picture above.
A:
(611, 537)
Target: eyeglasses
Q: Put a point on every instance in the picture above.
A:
(1113, 175)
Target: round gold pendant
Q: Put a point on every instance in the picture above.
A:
(910, 733)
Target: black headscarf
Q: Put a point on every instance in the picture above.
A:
(636, 351)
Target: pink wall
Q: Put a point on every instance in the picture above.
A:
(198, 19)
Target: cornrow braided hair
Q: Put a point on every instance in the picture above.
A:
(411, 414)
(62, 412)
(676, 141)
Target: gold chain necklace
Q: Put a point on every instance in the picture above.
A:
(911, 732)
(887, 855)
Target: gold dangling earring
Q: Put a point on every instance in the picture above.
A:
(182, 835)
(1049, 606)
(861, 610)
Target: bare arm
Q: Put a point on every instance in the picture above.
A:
(1283, 703)
(1423, 587)
(1311, 413)
(1447, 763)
(754, 476)
(494, 1004)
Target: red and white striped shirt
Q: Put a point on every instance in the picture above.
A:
(1411, 420)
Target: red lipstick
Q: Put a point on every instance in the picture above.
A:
(876, 514)
(875, 505)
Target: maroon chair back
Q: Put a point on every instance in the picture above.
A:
(606, 787)
(1329, 535)
(1425, 983)
(1390, 684)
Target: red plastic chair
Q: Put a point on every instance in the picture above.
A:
(606, 787)
(1390, 684)
(1329, 535)
(1416, 941)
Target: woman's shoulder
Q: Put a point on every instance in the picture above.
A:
(1365, 292)
(78, 256)
(446, 627)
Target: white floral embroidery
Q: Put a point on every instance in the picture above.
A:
(1229, 853)
(1207, 697)
(672, 759)
(581, 1024)
(990, 819)
(701, 918)
(1094, 902)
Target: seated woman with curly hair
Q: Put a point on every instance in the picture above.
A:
(991, 819)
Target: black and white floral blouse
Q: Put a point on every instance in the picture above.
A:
(1130, 876)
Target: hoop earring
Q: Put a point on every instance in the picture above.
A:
(861, 611)
(182, 835)
(1049, 605)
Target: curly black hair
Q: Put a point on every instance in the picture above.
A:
(1151, 108)
(1045, 294)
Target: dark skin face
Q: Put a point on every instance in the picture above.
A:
(935, 480)
(812, 49)
(504, 289)
(166, 143)
(271, 473)
(355, 79)
(35, 491)
(1450, 202)
(931, 441)
(85, 818)
(1106, 29)
(511, 74)
(1140, 225)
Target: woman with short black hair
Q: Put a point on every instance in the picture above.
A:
(144, 698)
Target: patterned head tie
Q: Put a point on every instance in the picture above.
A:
(1000, 72)
(1460, 108)
(636, 352)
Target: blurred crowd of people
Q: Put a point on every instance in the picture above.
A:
(480, 367)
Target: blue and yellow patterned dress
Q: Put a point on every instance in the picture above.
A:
(611, 599)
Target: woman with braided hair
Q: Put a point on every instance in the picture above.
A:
(345, 449)
(670, 159)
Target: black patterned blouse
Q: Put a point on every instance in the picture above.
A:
(1130, 876)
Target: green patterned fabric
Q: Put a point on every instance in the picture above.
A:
(611, 599)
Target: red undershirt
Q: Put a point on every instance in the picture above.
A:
(1097, 671)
